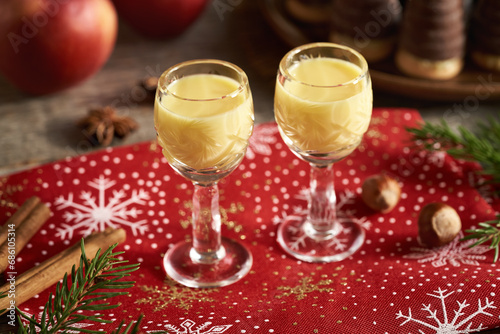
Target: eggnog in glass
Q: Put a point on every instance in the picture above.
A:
(323, 105)
(203, 120)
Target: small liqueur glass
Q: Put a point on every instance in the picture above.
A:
(203, 119)
(323, 105)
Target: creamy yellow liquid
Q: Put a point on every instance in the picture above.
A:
(199, 128)
(317, 117)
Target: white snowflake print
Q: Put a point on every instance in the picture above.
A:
(343, 215)
(261, 140)
(340, 244)
(455, 253)
(80, 325)
(188, 327)
(278, 219)
(96, 213)
(461, 323)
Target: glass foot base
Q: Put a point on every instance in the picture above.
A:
(233, 266)
(294, 238)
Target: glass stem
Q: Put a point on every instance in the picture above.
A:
(207, 246)
(322, 218)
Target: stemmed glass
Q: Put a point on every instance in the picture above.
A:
(203, 120)
(323, 105)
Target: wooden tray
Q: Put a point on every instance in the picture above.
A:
(472, 83)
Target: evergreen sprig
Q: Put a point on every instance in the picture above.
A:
(128, 329)
(83, 294)
(488, 231)
(3, 294)
(482, 147)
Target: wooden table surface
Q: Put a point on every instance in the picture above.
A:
(37, 130)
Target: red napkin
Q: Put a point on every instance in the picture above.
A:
(391, 285)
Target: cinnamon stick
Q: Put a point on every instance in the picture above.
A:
(51, 271)
(17, 218)
(27, 221)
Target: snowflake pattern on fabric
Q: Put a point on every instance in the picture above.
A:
(261, 140)
(80, 325)
(454, 253)
(343, 215)
(97, 213)
(374, 285)
(457, 325)
(188, 327)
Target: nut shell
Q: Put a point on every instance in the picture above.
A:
(438, 224)
(381, 192)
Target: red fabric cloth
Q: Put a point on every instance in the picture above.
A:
(391, 285)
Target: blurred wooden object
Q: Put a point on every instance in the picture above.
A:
(473, 83)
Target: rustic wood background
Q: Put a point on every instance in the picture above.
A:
(35, 130)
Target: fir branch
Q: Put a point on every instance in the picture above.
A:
(488, 231)
(83, 294)
(3, 294)
(128, 329)
(483, 148)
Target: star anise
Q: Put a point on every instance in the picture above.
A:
(101, 125)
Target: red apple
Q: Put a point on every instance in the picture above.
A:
(160, 18)
(50, 45)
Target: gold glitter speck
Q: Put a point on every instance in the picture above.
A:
(305, 286)
(173, 294)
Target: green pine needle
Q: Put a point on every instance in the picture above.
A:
(3, 295)
(488, 231)
(129, 329)
(83, 294)
(483, 148)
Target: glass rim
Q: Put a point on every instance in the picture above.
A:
(242, 84)
(284, 69)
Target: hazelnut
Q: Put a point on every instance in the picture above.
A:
(381, 192)
(438, 224)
